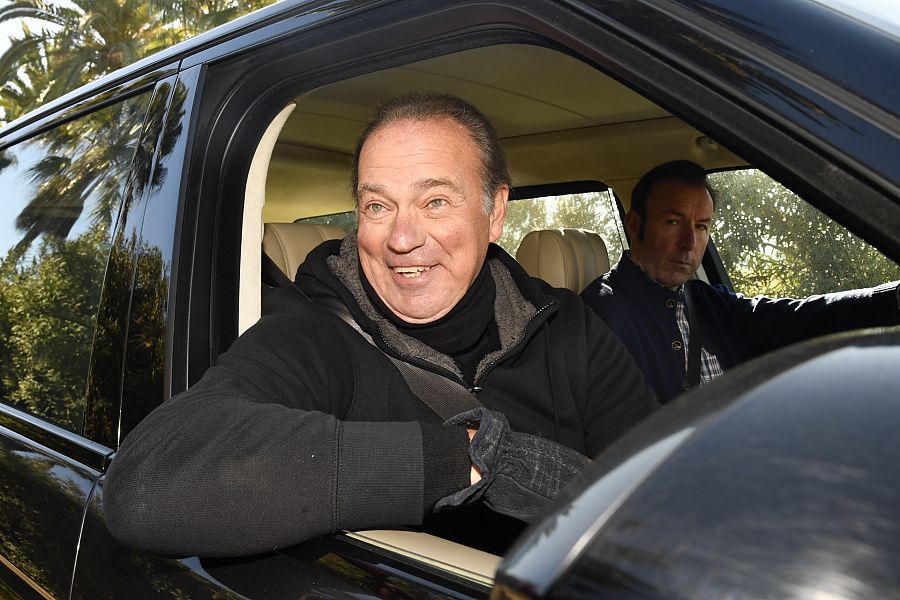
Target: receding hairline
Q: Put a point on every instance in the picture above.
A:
(424, 183)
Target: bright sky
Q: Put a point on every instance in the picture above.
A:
(14, 28)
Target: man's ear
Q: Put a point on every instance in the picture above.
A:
(632, 225)
(498, 213)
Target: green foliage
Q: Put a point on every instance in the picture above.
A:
(81, 40)
(51, 305)
(773, 243)
(345, 220)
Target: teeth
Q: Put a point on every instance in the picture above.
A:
(410, 272)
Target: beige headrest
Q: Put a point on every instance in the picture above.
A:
(287, 244)
(565, 258)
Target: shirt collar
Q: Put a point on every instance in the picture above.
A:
(679, 290)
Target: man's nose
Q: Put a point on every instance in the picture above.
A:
(688, 238)
(407, 232)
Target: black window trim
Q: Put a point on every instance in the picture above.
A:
(31, 429)
(368, 46)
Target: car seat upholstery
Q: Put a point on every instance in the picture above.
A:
(287, 244)
(564, 258)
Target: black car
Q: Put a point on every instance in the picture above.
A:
(134, 214)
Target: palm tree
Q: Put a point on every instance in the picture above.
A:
(86, 39)
(26, 72)
(78, 42)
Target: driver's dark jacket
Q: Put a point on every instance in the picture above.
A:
(303, 427)
(735, 328)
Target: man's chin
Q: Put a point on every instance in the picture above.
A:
(418, 313)
(675, 281)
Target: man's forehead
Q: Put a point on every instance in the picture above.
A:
(673, 196)
(423, 184)
(433, 153)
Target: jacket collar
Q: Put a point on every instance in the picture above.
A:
(629, 276)
(519, 302)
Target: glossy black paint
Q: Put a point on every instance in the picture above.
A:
(756, 487)
(776, 81)
(337, 567)
(147, 372)
(109, 571)
(42, 499)
(104, 392)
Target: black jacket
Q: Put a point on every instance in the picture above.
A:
(303, 427)
(642, 313)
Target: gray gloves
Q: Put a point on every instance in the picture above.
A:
(520, 473)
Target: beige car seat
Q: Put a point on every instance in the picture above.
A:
(564, 258)
(287, 244)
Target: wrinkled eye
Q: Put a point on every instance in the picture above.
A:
(375, 208)
(437, 203)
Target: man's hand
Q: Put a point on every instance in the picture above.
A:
(474, 474)
(517, 474)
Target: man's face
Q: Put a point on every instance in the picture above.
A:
(675, 233)
(423, 233)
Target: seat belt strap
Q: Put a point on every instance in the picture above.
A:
(273, 275)
(695, 338)
(443, 396)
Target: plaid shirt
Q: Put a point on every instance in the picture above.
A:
(709, 364)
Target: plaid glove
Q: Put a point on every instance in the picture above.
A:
(520, 473)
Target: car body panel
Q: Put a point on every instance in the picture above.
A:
(778, 486)
(43, 495)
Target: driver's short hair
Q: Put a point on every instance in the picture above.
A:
(425, 106)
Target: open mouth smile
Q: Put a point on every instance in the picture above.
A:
(410, 272)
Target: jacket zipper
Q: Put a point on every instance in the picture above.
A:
(510, 351)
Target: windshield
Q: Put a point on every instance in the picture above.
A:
(881, 14)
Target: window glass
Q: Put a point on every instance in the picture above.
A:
(61, 194)
(773, 243)
(596, 211)
(344, 220)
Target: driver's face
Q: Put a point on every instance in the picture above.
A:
(676, 231)
(423, 232)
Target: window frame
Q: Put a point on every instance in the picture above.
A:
(235, 103)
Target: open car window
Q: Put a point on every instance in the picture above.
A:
(773, 243)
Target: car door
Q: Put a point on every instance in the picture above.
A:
(248, 88)
(67, 182)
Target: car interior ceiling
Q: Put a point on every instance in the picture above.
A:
(559, 120)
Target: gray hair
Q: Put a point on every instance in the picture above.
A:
(425, 106)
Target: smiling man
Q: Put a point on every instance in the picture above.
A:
(309, 423)
(651, 301)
